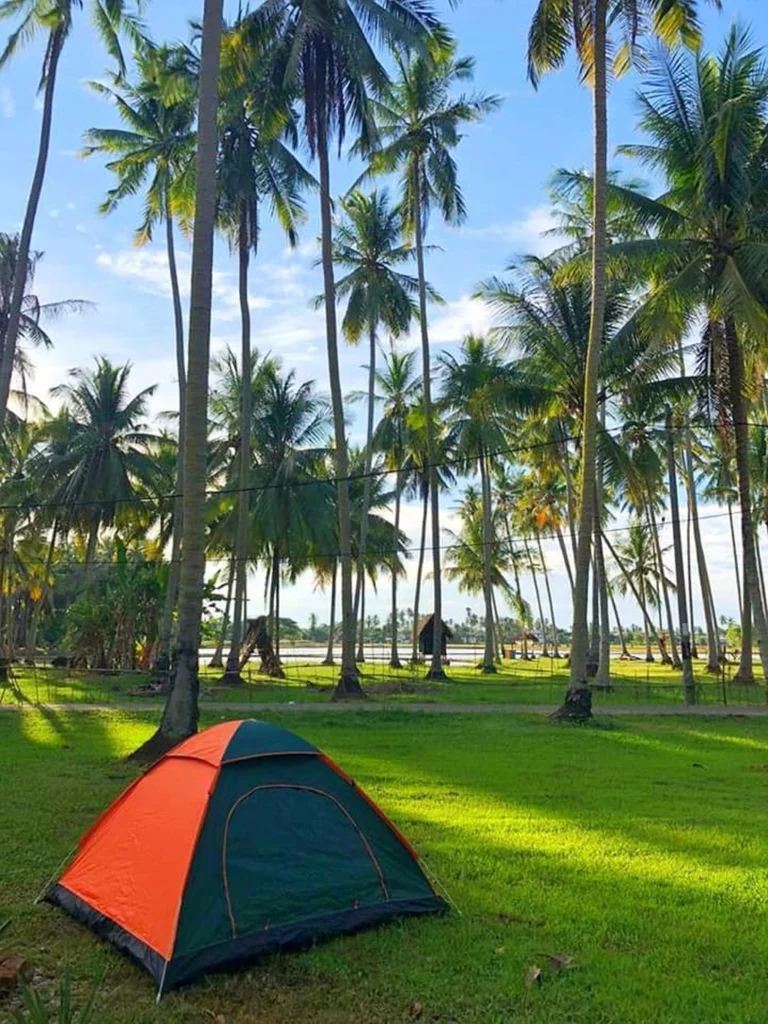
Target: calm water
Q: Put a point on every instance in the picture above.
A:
(457, 655)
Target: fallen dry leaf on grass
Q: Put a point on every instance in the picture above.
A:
(415, 1010)
(559, 961)
(533, 977)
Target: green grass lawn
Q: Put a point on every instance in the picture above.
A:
(639, 849)
(538, 682)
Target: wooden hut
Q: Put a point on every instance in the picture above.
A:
(427, 636)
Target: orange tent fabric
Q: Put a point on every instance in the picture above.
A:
(133, 867)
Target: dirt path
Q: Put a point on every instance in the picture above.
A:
(372, 707)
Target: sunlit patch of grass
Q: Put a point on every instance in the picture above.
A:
(641, 851)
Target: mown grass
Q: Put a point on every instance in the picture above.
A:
(538, 682)
(639, 849)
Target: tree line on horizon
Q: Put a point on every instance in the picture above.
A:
(625, 367)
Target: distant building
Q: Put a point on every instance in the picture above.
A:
(427, 636)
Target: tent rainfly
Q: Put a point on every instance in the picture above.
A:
(243, 840)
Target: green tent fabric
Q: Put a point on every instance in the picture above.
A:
(288, 850)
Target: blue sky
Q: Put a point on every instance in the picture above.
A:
(505, 165)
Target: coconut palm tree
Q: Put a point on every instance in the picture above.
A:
(421, 472)
(556, 26)
(638, 572)
(718, 474)
(419, 123)
(292, 510)
(467, 561)
(34, 313)
(255, 168)
(106, 455)
(399, 389)
(226, 412)
(181, 710)
(53, 20)
(367, 247)
(320, 50)
(154, 151)
(480, 393)
(711, 253)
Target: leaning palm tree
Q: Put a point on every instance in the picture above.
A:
(54, 20)
(256, 168)
(154, 150)
(180, 715)
(321, 51)
(367, 247)
(420, 121)
(556, 26)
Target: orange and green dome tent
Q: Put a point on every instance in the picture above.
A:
(243, 840)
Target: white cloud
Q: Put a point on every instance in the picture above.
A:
(71, 206)
(7, 105)
(528, 233)
(38, 104)
(54, 213)
(81, 228)
(450, 323)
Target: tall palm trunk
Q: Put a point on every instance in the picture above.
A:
(163, 658)
(710, 620)
(746, 670)
(217, 659)
(640, 597)
(735, 551)
(90, 546)
(603, 677)
(360, 583)
(570, 500)
(564, 553)
(419, 573)
(276, 584)
(689, 581)
(360, 655)
(625, 655)
(499, 643)
(232, 671)
(436, 670)
(38, 606)
(539, 605)
(738, 411)
(519, 594)
(760, 573)
(349, 680)
(545, 570)
(52, 55)
(689, 687)
(674, 658)
(332, 625)
(578, 701)
(181, 710)
(394, 660)
(593, 653)
(489, 655)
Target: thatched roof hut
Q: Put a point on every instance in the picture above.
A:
(426, 632)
